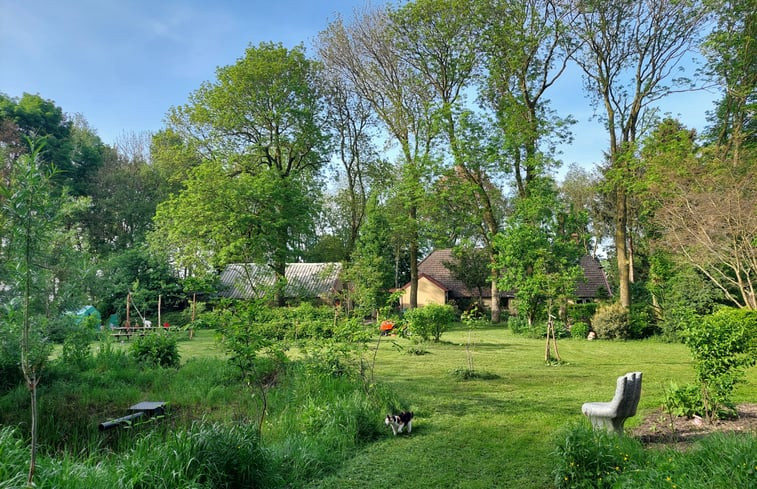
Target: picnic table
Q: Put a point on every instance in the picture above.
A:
(129, 331)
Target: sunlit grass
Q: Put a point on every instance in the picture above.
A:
(500, 432)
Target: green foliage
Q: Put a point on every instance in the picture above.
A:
(581, 313)
(145, 275)
(579, 331)
(722, 345)
(430, 321)
(537, 254)
(157, 349)
(10, 356)
(76, 349)
(685, 400)
(586, 458)
(257, 197)
(611, 322)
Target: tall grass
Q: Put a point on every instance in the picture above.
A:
(585, 458)
(317, 419)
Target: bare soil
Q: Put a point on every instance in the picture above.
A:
(658, 429)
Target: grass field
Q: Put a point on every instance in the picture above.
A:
(494, 433)
(500, 432)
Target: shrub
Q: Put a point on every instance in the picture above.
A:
(156, 349)
(517, 324)
(611, 322)
(723, 345)
(585, 458)
(579, 331)
(76, 346)
(581, 313)
(430, 321)
(685, 400)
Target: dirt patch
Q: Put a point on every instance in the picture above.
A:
(658, 429)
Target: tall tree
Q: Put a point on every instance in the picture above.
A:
(731, 53)
(366, 53)
(259, 130)
(440, 39)
(707, 209)
(352, 124)
(38, 119)
(528, 44)
(630, 49)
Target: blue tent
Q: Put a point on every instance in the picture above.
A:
(85, 312)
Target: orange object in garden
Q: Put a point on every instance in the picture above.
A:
(386, 325)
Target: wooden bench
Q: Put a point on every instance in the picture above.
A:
(612, 415)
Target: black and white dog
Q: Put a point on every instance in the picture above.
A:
(399, 421)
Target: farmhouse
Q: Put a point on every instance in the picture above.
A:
(304, 280)
(437, 285)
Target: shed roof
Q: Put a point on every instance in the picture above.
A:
(247, 280)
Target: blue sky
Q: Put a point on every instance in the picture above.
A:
(123, 64)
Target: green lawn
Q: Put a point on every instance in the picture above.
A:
(499, 433)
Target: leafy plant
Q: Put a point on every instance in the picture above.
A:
(430, 321)
(76, 347)
(157, 349)
(685, 400)
(612, 322)
(722, 345)
(579, 331)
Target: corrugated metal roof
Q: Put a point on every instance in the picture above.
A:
(247, 280)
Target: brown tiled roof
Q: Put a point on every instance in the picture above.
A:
(433, 266)
(307, 280)
(595, 279)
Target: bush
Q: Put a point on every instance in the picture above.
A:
(430, 321)
(585, 458)
(579, 331)
(76, 346)
(723, 345)
(156, 349)
(683, 400)
(581, 313)
(612, 322)
(517, 324)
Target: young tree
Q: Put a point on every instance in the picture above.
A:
(260, 132)
(29, 212)
(629, 51)
(539, 253)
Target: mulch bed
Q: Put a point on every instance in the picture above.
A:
(657, 429)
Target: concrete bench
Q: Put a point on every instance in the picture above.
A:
(612, 415)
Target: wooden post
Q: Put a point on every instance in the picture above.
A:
(128, 305)
(160, 324)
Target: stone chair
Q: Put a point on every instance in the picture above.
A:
(612, 415)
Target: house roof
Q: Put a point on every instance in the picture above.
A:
(596, 279)
(247, 280)
(433, 267)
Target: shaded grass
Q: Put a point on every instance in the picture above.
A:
(500, 432)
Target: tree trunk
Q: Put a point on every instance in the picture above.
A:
(621, 238)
